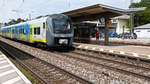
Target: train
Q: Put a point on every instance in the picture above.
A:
(52, 30)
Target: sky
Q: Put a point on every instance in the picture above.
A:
(13, 9)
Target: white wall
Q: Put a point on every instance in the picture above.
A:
(142, 33)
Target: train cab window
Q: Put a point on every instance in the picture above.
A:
(43, 25)
(37, 31)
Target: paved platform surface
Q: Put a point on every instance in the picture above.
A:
(140, 41)
(9, 74)
(124, 49)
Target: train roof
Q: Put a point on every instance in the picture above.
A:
(41, 19)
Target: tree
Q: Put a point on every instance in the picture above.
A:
(13, 21)
(142, 17)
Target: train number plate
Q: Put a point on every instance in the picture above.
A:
(63, 41)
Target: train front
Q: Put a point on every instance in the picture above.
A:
(60, 31)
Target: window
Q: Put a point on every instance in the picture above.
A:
(21, 31)
(24, 31)
(138, 31)
(114, 21)
(43, 25)
(37, 30)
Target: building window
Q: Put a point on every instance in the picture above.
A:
(114, 21)
(138, 31)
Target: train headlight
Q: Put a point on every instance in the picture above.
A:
(63, 41)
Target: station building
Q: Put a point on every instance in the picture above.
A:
(143, 31)
(121, 24)
(82, 18)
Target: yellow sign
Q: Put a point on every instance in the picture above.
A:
(108, 24)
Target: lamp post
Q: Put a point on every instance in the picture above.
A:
(132, 20)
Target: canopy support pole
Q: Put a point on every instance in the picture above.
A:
(106, 31)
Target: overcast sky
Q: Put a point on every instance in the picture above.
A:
(12, 9)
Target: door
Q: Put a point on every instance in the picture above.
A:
(31, 33)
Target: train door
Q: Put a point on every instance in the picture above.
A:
(27, 32)
(43, 32)
(39, 33)
(12, 32)
(36, 32)
(31, 33)
(19, 30)
(15, 32)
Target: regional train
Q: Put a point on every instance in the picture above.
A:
(52, 30)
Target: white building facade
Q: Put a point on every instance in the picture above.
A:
(121, 24)
(143, 31)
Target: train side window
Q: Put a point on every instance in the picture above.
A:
(138, 31)
(44, 25)
(37, 30)
(21, 31)
(34, 31)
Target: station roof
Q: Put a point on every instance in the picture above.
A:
(125, 17)
(96, 11)
(143, 26)
(93, 9)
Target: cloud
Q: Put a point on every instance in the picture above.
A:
(43, 7)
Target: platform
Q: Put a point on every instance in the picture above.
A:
(129, 50)
(9, 74)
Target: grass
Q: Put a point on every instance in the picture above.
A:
(27, 74)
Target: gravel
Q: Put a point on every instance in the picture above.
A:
(93, 73)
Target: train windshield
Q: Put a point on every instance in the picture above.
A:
(62, 26)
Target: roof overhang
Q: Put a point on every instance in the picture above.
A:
(94, 12)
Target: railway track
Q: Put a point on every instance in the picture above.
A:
(45, 72)
(110, 63)
(83, 64)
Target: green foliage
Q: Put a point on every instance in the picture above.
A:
(142, 17)
(128, 23)
(13, 21)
